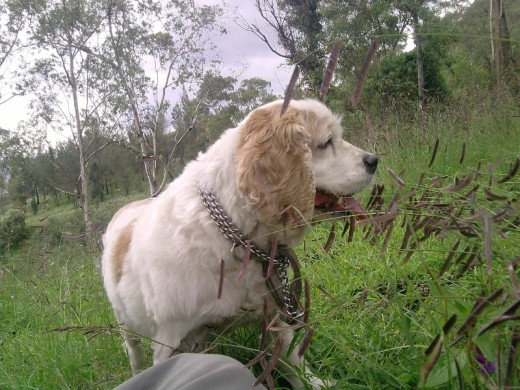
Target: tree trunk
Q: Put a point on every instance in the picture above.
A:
(501, 44)
(83, 194)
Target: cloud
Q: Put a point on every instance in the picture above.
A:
(240, 48)
(243, 56)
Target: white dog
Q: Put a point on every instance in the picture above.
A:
(173, 266)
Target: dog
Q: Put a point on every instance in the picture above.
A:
(174, 270)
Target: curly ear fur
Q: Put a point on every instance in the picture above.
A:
(273, 166)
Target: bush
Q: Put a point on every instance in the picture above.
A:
(12, 230)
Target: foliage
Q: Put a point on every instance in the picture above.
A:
(218, 105)
(374, 315)
(12, 230)
(393, 81)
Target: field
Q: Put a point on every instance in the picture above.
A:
(379, 299)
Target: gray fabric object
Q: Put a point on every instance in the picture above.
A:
(191, 371)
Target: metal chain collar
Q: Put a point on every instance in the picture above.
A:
(287, 300)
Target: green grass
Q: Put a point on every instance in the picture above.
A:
(374, 316)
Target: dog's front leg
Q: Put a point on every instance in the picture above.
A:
(295, 360)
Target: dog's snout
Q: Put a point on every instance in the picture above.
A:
(370, 162)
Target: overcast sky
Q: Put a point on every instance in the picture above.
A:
(242, 54)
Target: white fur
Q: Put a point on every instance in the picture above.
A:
(166, 288)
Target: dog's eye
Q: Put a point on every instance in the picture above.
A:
(326, 145)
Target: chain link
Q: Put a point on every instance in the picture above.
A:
(281, 261)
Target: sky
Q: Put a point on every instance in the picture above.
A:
(243, 55)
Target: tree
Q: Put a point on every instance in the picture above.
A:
(298, 27)
(60, 29)
(12, 23)
(218, 105)
(172, 35)
(501, 52)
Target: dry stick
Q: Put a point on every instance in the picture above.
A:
(289, 92)
(356, 96)
(329, 72)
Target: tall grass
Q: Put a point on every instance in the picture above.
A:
(374, 314)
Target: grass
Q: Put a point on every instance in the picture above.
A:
(374, 316)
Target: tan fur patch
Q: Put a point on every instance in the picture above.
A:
(121, 249)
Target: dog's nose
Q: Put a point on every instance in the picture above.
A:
(370, 162)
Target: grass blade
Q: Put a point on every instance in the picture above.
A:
(434, 154)
(306, 341)
(289, 92)
(330, 239)
(433, 352)
(513, 169)
(478, 307)
(462, 152)
(449, 259)
(329, 72)
(487, 243)
(221, 280)
(356, 96)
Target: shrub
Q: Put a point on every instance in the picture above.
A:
(12, 230)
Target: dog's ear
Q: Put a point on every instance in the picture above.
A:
(273, 166)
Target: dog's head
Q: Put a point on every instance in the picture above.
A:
(296, 166)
